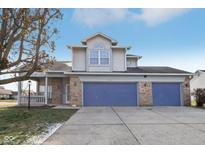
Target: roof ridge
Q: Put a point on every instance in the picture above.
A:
(102, 34)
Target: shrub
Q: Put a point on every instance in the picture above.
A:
(199, 95)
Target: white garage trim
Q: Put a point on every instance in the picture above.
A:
(82, 94)
(137, 86)
(131, 78)
(138, 94)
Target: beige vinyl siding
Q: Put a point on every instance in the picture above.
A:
(79, 59)
(91, 42)
(118, 59)
(107, 45)
(131, 62)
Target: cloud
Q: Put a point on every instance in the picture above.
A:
(154, 17)
(100, 17)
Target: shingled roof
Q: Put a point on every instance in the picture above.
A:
(65, 66)
(133, 56)
(4, 91)
(61, 66)
(154, 69)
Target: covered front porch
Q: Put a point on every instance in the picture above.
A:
(51, 89)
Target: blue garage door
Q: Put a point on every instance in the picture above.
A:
(166, 94)
(109, 94)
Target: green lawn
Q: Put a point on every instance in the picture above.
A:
(17, 124)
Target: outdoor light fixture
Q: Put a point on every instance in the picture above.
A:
(29, 94)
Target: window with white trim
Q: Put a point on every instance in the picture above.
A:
(104, 57)
(94, 57)
(99, 57)
(42, 90)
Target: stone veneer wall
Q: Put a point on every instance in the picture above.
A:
(56, 90)
(56, 84)
(145, 93)
(75, 90)
(186, 92)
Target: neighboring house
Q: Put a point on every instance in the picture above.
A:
(14, 94)
(102, 73)
(198, 80)
(5, 94)
(26, 92)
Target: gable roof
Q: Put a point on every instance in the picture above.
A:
(114, 42)
(133, 56)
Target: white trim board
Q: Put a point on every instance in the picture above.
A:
(131, 78)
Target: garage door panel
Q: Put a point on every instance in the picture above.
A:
(110, 94)
(166, 94)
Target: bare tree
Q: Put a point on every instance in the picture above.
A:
(26, 41)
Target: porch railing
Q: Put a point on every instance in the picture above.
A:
(34, 100)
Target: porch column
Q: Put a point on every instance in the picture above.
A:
(46, 90)
(19, 92)
(37, 87)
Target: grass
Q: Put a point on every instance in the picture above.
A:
(17, 124)
(8, 100)
(7, 104)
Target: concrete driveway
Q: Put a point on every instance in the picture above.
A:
(133, 125)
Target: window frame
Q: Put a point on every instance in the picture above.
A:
(42, 90)
(99, 56)
(93, 58)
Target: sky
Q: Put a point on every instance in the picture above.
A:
(163, 37)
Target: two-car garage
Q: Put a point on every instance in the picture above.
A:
(109, 94)
(127, 94)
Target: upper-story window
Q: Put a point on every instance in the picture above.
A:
(99, 56)
(104, 57)
(94, 57)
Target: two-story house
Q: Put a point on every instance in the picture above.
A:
(102, 73)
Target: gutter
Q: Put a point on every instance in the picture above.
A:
(122, 74)
(138, 74)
